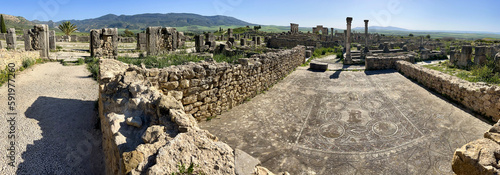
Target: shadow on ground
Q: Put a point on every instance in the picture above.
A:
(71, 141)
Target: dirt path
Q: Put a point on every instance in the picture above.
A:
(56, 130)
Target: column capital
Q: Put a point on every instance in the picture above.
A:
(366, 21)
(349, 19)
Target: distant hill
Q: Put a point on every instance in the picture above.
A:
(141, 21)
(17, 22)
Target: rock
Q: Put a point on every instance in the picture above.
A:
(194, 147)
(153, 133)
(477, 157)
(494, 133)
(168, 102)
(131, 160)
(176, 94)
(244, 163)
(171, 85)
(183, 120)
(134, 121)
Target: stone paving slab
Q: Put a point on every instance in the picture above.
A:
(348, 122)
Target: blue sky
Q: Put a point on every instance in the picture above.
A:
(460, 15)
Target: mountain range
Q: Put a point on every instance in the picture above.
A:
(189, 22)
(141, 21)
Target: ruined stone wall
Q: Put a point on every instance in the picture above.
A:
(148, 115)
(381, 62)
(16, 57)
(104, 43)
(479, 97)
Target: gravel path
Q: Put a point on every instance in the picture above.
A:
(56, 126)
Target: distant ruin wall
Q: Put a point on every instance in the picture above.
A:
(378, 63)
(480, 97)
(148, 115)
(290, 43)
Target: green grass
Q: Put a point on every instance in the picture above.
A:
(322, 52)
(25, 64)
(92, 66)
(473, 74)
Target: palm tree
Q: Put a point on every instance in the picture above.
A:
(67, 28)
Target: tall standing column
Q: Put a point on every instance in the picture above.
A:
(348, 59)
(366, 35)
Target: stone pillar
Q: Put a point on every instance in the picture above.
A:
(333, 32)
(152, 35)
(198, 43)
(294, 28)
(366, 36)
(480, 55)
(259, 40)
(243, 42)
(348, 59)
(230, 33)
(465, 56)
(11, 38)
(52, 40)
(104, 43)
(453, 57)
(386, 47)
(27, 39)
(42, 31)
(142, 42)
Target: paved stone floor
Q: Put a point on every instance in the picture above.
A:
(348, 122)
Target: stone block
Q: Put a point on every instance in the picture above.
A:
(318, 66)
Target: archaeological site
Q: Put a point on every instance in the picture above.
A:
(163, 94)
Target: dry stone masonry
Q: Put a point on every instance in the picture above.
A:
(479, 97)
(37, 39)
(104, 43)
(148, 116)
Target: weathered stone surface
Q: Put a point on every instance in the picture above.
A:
(134, 121)
(209, 156)
(318, 66)
(477, 158)
(104, 43)
(131, 160)
(11, 38)
(153, 133)
(245, 164)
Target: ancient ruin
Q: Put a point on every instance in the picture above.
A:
(348, 56)
(104, 43)
(11, 39)
(38, 39)
(294, 28)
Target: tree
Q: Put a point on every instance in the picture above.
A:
(257, 27)
(410, 35)
(128, 33)
(428, 36)
(67, 28)
(2, 25)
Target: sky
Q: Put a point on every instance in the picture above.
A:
(456, 15)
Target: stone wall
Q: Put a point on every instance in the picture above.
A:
(16, 57)
(386, 62)
(162, 40)
(104, 43)
(148, 115)
(479, 97)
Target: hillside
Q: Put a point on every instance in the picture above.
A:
(17, 22)
(141, 21)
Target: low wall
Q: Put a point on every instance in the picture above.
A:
(16, 57)
(382, 62)
(479, 97)
(148, 115)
